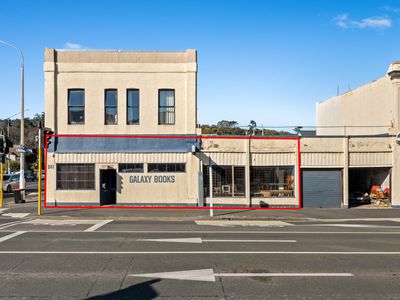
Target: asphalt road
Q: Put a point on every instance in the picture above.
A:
(51, 258)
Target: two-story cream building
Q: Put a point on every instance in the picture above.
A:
(126, 133)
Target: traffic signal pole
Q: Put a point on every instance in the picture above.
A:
(1, 180)
(39, 173)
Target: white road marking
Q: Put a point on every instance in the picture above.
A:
(201, 231)
(359, 219)
(179, 240)
(9, 224)
(199, 240)
(54, 222)
(197, 275)
(208, 252)
(16, 215)
(260, 223)
(10, 236)
(209, 275)
(284, 274)
(98, 225)
(4, 209)
(356, 225)
(250, 241)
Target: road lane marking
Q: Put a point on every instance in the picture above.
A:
(208, 252)
(260, 223)
(198, 240)
(10, 236)
(4, 209)
(356, 225)
(9, 224)
(16, 215)
(60, 222)
(284, 274)
(208, 275)
(195, 231)
(98, 225)
(179, 240)
(197, 275)
(250, 241)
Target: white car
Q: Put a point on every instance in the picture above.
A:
(10, 182)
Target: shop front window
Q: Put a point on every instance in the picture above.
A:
(228, 181)
(271, 181)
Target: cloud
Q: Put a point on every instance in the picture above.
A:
(379, 22)
(391, 9)
(74, 46)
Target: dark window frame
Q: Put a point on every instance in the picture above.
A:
(121, 169)
(128, 107)
(92, 182)
(232, 177)
(110, 106)
(168, 106)
(167, 168)
(263, 188)
(83, 106)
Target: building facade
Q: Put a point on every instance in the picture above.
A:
(114, 94)
(126, 133)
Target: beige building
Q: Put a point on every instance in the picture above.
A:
(126, 134)
(367, 110)
(114, 93)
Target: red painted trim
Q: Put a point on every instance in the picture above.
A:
(47, 136)
(45, 170)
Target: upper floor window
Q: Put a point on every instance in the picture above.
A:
(76, 106)
(132, 107)
(166, 107)
(111, 107)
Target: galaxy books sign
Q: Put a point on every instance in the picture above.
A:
(152, 179)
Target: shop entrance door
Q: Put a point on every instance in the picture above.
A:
(108, 187)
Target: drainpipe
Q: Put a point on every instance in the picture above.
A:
(346, 172)
(247, 171)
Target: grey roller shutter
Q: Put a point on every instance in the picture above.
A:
(322, 188)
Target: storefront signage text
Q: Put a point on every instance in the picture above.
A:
(152, 179)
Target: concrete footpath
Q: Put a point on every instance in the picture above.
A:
(146, 214)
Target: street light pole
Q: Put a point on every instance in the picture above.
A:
(8, 133)
(22, 141)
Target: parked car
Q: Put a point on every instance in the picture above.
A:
(10, 182)
(30, 176)
(359, 198)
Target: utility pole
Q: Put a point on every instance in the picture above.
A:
(22, 141)
(39, 172)
(8, 154)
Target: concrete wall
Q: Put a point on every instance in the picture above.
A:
(367, 110)
(96, 71)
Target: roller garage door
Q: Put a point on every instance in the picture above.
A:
(322, 188)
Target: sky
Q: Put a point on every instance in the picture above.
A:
(268, 61)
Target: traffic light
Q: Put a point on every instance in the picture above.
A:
(47, 131)
(2, 144)
(8, 144)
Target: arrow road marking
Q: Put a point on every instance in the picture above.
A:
(209, 275)
(199, 240)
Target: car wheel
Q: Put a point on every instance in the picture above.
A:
(8, 189)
